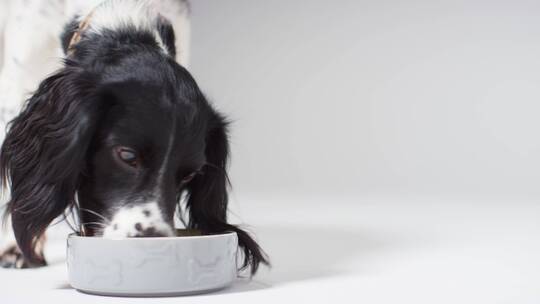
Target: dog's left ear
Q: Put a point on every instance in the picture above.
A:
(44, 153)
(207, 198)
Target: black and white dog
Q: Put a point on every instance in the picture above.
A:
(121, 132)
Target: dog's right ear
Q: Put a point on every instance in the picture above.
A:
(44, 153)
(207, 197)
(166, 33)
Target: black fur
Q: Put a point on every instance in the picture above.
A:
(69, 29)
(166, 33)
(207, 195)
(44, 153)
(118, 87)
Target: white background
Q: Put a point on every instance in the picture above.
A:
(355, 97)
(382, 151)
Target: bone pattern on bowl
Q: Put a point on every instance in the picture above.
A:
(152, 267)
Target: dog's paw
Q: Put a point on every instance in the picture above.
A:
(12, 257)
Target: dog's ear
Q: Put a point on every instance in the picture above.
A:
(67, 34)
(44, 153)
(166, 33)
(207, 197)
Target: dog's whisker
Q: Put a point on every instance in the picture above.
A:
(212, 166)
(94, 223)
(95, 213)
(65, 218)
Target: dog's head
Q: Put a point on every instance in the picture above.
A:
(125, 145)
(123, 133)
(151, 138)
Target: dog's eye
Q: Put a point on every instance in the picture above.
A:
(128, 156)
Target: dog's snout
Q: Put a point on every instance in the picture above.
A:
(138, 221)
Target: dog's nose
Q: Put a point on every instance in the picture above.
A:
(138, 221)
(147, 232)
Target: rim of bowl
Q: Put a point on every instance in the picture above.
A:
(136, 239)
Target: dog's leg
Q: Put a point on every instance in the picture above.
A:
(31, 50)
(11, 256)
(4, 7)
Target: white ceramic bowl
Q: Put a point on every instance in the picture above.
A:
(154, 266)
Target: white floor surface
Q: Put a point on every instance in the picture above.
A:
(356, 250)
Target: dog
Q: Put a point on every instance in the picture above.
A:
(120, 134)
